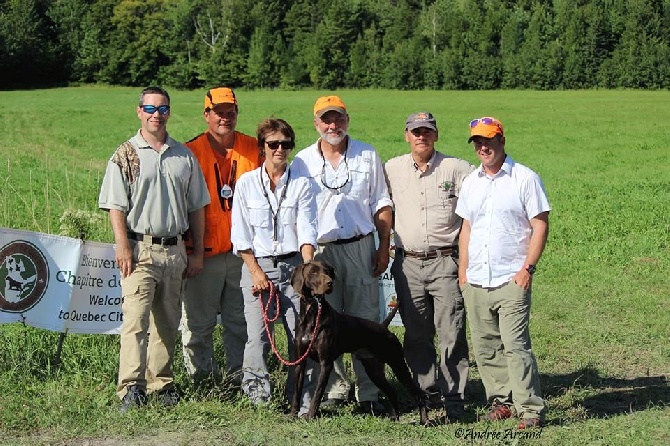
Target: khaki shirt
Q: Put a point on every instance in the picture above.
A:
(425, 202)
(156, 190)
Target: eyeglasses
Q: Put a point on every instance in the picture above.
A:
(323, 175)
(151, 109)
(285, 145)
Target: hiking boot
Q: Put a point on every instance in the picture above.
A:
(168, 397)
(498, 412)
(528, 423)
(134, 397)
(374, 408)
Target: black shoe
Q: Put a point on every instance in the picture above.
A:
(168, 397)
(134, 397)
(332, 403)
(434, 401)
(455, 412)
(374, 408)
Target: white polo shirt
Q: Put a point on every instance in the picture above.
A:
(253, 216)
(499, 210)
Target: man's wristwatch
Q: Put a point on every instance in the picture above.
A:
(531, 269)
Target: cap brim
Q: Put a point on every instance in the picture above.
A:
(417, 125)
(483, 135)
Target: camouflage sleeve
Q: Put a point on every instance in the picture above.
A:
(128, 161)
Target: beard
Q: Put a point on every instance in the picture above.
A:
(334, 139)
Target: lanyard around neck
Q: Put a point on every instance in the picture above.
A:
(275, 215)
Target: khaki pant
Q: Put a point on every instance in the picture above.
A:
(355, 292)
(151, 304)
(499, 319)
(215, 290)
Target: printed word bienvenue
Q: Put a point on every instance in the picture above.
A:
(94, 262)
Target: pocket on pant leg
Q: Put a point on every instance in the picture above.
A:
(361, 298)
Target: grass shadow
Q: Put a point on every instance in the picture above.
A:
(602, 396)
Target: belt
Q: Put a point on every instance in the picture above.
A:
(163, 241)
(344, 241)
(427, 255)
(276, 259)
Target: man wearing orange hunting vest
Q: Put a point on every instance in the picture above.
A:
(224, 155)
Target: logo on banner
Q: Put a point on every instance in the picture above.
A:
(24, 276)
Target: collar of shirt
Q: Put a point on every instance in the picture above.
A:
(429, 164)
(506, 167)
(143, 144)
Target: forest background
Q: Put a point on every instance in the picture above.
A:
(294, 44)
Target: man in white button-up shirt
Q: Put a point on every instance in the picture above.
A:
(273, 230)
(347, 178)
(505, 226)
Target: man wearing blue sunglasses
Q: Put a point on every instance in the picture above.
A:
(154, 191)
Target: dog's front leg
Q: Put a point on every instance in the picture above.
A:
(297, 388)
(326, 368)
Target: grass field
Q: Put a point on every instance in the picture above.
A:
(601, 307)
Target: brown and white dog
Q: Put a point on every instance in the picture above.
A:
(372, 343)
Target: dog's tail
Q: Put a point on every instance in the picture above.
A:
(394, 309)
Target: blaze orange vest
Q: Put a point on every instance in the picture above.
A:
(219, 171)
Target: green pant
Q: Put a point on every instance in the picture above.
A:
(499, 319)
(215, 290)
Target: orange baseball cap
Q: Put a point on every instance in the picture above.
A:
(487, 127)
(220, 95)
(328, 103)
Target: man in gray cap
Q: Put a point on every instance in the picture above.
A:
(424, 185)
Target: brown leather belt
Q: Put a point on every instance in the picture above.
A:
(344, 241)
(428, 255)
(163, 241)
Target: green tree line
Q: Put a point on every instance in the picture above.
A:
(398, 44)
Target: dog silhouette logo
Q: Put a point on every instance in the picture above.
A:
(24, 276)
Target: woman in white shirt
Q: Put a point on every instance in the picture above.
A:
(273, 230)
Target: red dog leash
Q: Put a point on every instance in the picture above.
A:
(274, 295)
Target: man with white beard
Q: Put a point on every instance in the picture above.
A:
(347, 178)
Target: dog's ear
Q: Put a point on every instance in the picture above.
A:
(298, 279)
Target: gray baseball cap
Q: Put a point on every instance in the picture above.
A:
(421, 119)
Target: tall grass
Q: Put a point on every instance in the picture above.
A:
(600, 311)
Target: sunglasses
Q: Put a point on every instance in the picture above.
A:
(485, 121)
(151, 109)
(285, 145)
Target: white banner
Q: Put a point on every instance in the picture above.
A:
(66, 285)
(387, 293)
(59, 283)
